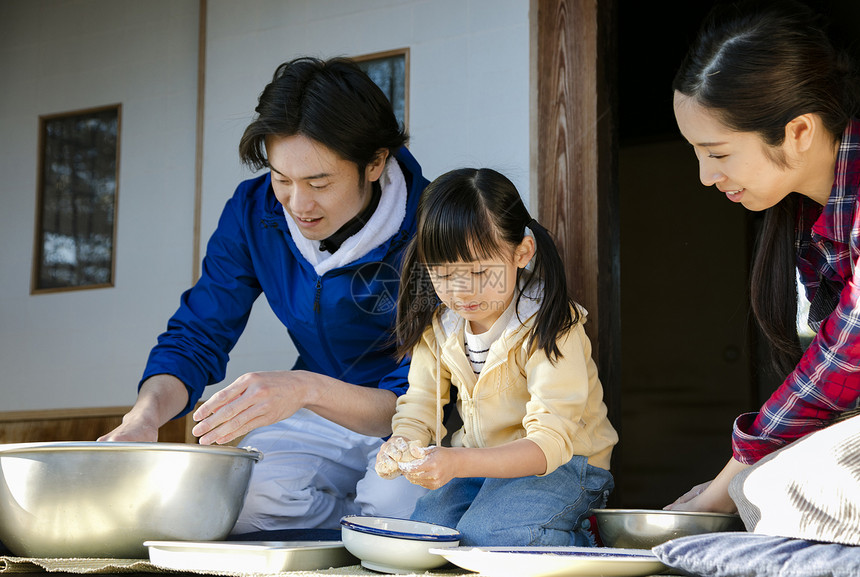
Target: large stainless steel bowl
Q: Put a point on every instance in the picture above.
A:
(90, 499)
(646, 528)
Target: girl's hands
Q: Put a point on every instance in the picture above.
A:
(434, 468)
(428, 467)
(394, 454)
(388, 455)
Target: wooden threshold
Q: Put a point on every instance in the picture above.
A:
(81, 424)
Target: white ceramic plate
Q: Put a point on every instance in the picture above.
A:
(248, 556)
(554, 561)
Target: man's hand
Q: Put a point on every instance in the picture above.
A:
(262, 398)
(133, 430)
(161, 397)
(251, 401)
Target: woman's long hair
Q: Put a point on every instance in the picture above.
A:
(469, 214)
(757, 66)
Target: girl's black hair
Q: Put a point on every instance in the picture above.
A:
(330, 101)
(465, 215)
(758, 65)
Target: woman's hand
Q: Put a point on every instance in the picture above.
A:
(689, 501)
(251, 401)
(712, 496)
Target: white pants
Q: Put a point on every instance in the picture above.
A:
(314, 472)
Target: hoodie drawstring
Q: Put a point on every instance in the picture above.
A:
(438, 395)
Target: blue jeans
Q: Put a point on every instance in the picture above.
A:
(541, 511)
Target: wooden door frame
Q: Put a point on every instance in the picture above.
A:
(574, 152)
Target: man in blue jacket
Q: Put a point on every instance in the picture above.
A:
(321, 235)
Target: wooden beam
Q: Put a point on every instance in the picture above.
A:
(575, 155)
(84, 424)
(198, 147)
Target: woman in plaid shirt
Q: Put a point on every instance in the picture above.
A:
(769, 106)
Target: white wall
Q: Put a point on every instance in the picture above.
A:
(468, 105)
(87, 348)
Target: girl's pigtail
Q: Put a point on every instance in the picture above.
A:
(416, 302)
(558, 313)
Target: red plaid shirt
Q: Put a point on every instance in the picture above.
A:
(826, 381)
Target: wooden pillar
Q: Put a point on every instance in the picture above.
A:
(198, 154)
(575, 153)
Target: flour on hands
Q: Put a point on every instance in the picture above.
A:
(399, 455)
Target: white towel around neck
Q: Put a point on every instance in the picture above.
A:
(383, 224)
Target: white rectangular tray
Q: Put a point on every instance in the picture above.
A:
(248, 556)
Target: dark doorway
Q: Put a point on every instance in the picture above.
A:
(689, 349)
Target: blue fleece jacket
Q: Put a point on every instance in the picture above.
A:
(341, 322)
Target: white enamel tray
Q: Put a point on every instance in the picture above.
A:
(248, 556)
(554, 561)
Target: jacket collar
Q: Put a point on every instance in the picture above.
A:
(415, 183)
(383, 224)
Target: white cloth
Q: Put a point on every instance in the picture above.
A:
(807, 490)
(316, 472)
(383, 224)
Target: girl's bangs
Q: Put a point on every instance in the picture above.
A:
(456, 234)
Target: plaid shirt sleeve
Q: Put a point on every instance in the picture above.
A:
(824, 384)
(826, 381)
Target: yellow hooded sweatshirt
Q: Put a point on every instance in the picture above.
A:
(519, 393)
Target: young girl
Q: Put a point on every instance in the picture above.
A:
(532, 455)
(769, 107)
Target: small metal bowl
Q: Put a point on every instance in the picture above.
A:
(646, 528)
(91, 499)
